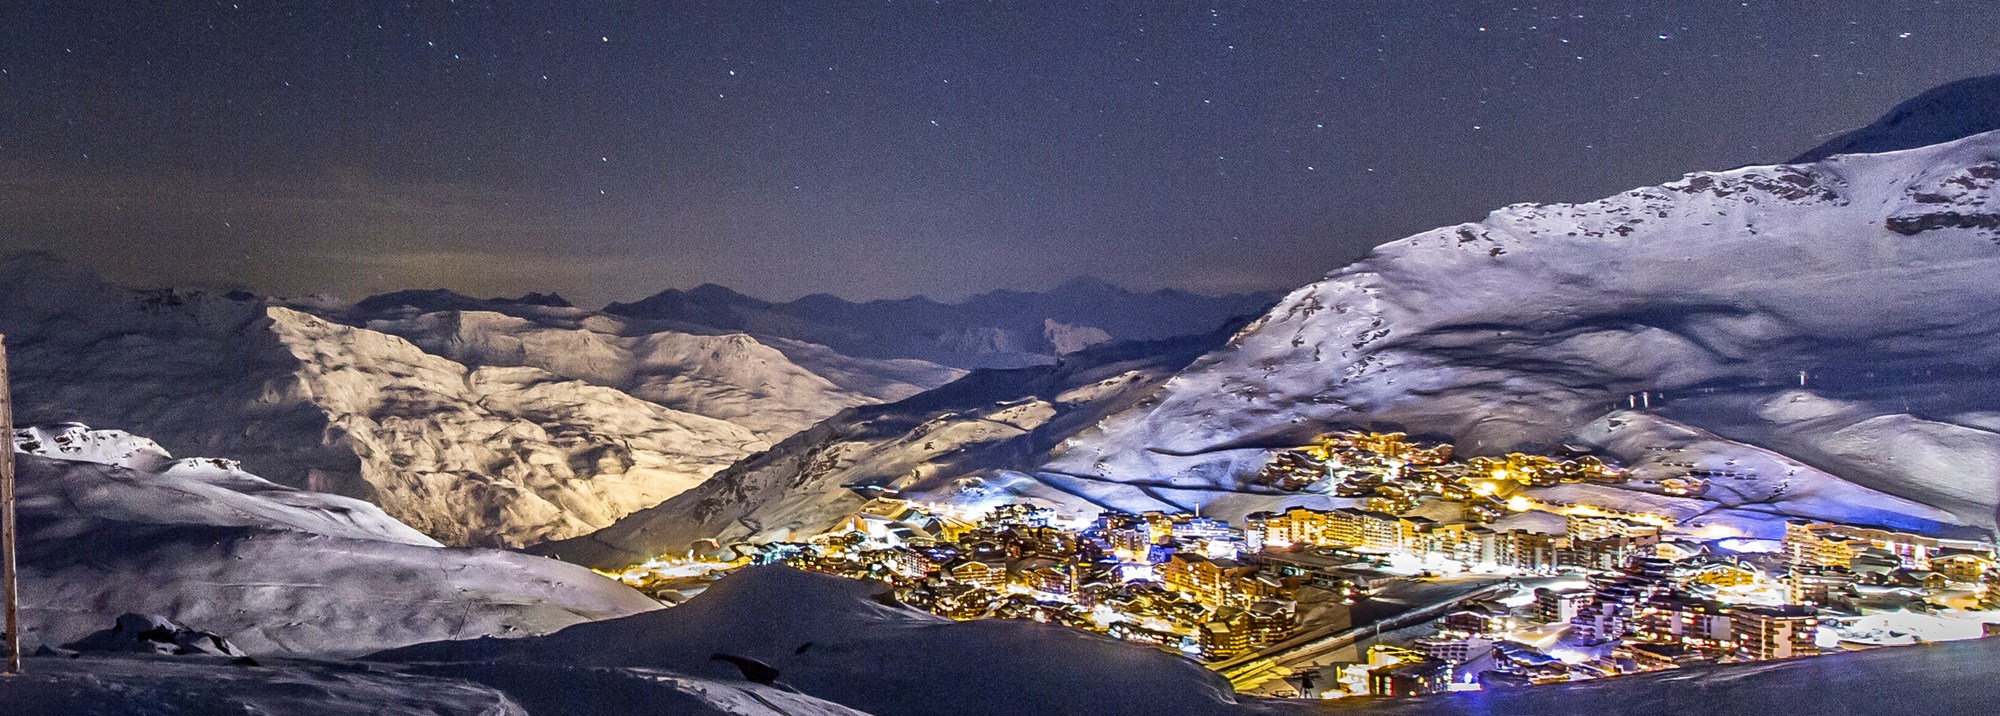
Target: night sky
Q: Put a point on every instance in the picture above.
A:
(882, 149)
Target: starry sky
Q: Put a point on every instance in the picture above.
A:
(883, 149)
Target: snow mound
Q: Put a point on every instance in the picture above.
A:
(833, 639)
(180, 686)
(271, 569)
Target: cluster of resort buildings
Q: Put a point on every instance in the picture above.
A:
(1610, 593)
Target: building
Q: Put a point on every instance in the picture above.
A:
(1834, 545)
(1199, 528)
(1209, 581)
(1582, 527)
(1764, 633)
(1266, 529)
(981, 572)
(1684, 620)
(1612, 607)
(1042, 574)
(1553, 607)
(1606, 554)
(1381, 532)
(1817, 585)
(1815, 545)
(1962, 565)
(1418, 676)
(1533, 551)
(1653, 657)
(1479, 617)
(1454, 650)
(1271, 620)
(1227, 635)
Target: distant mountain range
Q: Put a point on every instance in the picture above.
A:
(1000, 329)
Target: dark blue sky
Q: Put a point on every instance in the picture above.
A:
(881, 149)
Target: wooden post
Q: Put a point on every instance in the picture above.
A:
(9, 589)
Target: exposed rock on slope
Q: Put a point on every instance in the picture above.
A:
(1707, 302)
(962, 441)
(1002, 329)
(508, 455)
(273, 570)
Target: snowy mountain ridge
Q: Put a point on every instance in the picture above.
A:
(1864, 276)
(1950, 111)
(999, 329)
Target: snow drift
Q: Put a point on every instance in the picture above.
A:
(831, 638)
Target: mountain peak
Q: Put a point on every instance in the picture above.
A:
(1954, 110)
(716, 293)
(551, 300)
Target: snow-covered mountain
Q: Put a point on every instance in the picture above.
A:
(514, 427)
(1001, 329)
(771, 386)
(1829, 322)
(111, 523)
(966, 440)
(1944, 113)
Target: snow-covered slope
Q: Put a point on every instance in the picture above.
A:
(1933, 679)
(155, 488)
(1706, 302)
(1954, 110)
(832, 639)
(181, 686)
(962, 441)
(772, 387)
(111, 524)
(1001, 329)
